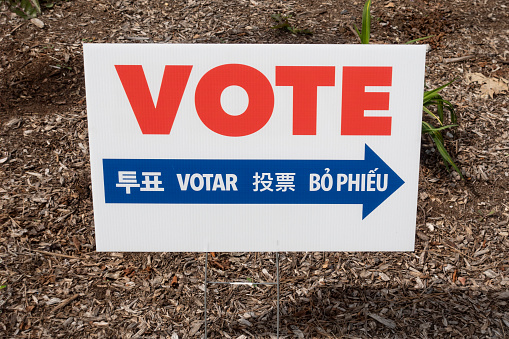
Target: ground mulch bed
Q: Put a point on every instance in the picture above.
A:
(53, 284)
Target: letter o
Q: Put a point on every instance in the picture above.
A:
(208, 100)
(326, 187)
(194, 186)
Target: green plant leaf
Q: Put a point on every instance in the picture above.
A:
(3, 286)
(430, 98)
(366, 23)
(437, 138)
(440, 110)
(432, 129)
(358, 33)
(419, 39)
(449, 107)
(26, 9)
(20, 13)
(433, 98)
(433, 132)
(425, 109)
(445, 155)
(431, 94)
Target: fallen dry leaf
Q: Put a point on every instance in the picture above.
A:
(489, 86)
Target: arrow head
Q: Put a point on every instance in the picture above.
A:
(393, 182)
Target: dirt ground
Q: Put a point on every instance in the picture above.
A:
(54, 285)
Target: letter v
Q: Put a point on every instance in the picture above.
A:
(156, 119)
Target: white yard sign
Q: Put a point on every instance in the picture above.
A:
(254, 147)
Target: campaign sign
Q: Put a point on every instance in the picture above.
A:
(254, 147)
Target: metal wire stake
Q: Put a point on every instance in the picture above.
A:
(277, 274)
(206, 282)
(205, 293)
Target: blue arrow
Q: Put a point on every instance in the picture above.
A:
(165, 181)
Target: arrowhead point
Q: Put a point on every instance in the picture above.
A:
(372, 161)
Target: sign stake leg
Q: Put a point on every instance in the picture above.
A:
(277, 274)
(206, 282)
(205, 295)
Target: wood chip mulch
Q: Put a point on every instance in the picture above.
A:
(53, 284)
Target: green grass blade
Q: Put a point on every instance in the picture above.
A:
(34, 8)
(430, 129)
(366, 23)
(431, 114)
(442, 105)
(445, 155)
(24, 8)
(454, 118)
(20, 13)
(426, 127)
(440, 111)
(433, 101)
(431, 94)
(438, 140)
(419, 39)
(358, 33)
(448, 106)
